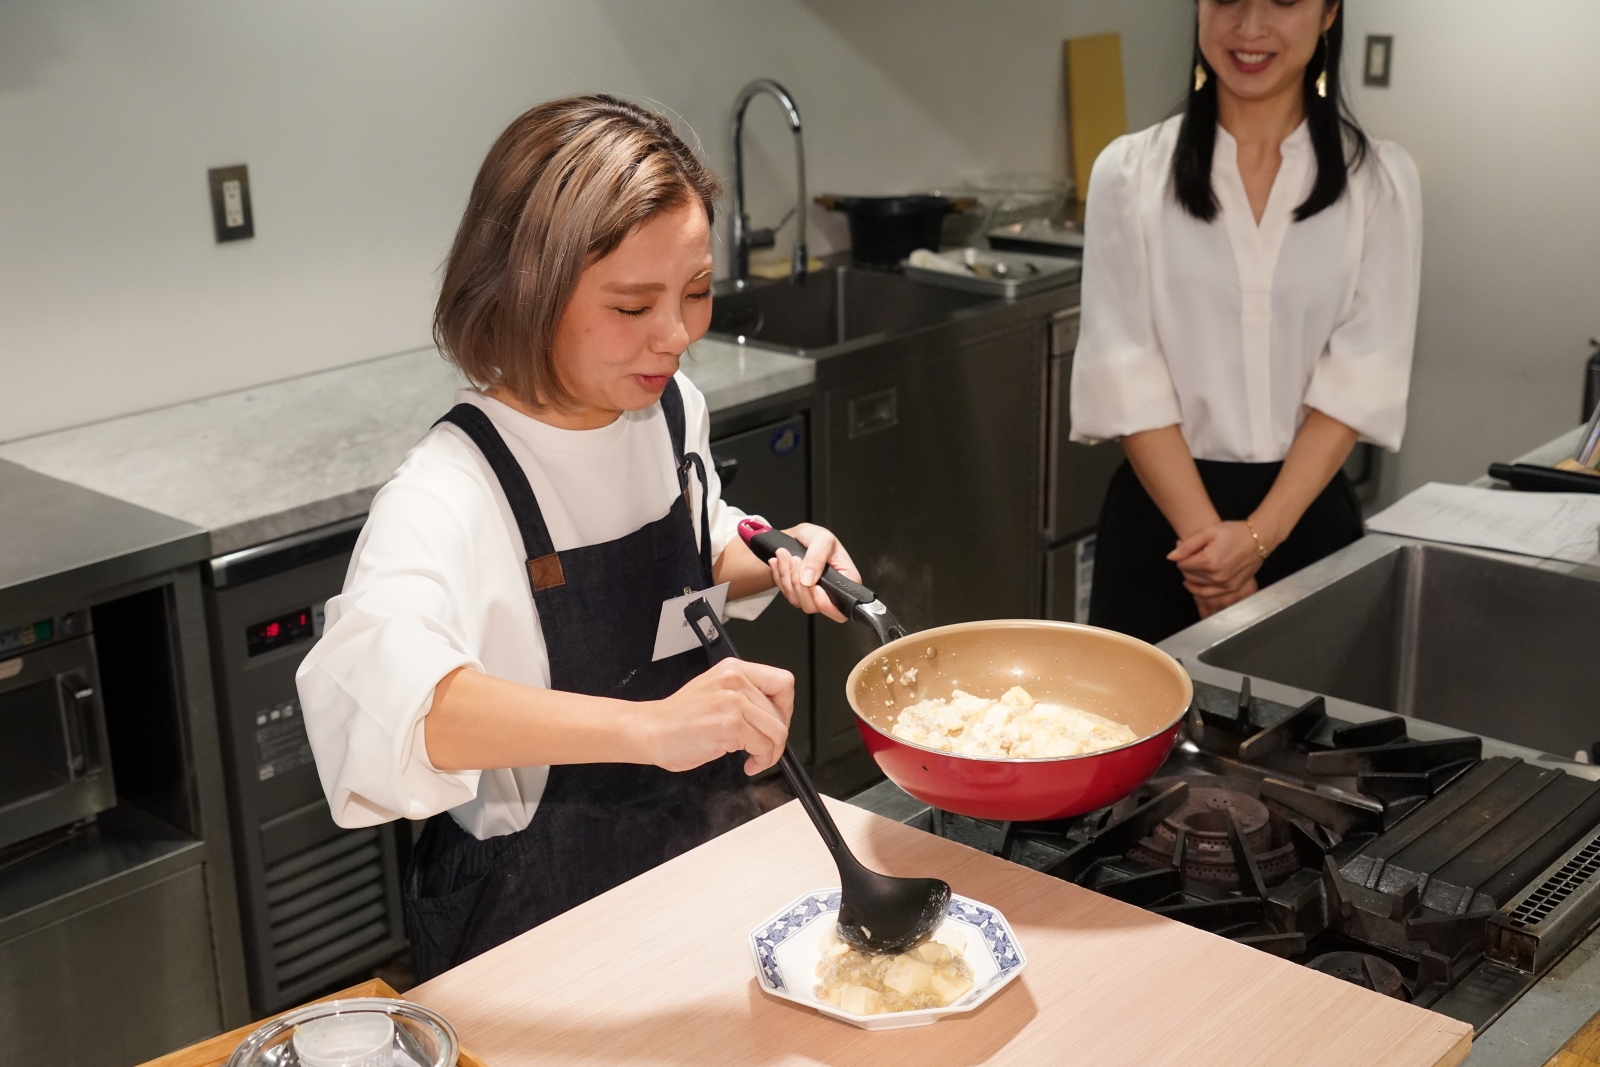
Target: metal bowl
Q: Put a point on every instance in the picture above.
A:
(421, 1037)
(1100, 671)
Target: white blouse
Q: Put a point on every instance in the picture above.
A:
(1232, 330)
(437, 582)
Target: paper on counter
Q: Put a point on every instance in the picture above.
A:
(1564, 526)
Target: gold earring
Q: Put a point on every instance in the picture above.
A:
(1199, 76)
(1322, 79)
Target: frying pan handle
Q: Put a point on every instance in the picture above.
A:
(851, 598)
(714, 638)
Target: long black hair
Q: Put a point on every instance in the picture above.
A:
(1337, 139)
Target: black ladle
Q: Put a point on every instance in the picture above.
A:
(878, 914)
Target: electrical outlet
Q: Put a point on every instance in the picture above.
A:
(230, 203)
(1380, 52)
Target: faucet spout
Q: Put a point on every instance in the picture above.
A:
(740, 235)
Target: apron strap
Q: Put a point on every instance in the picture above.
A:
(677, 429)
(544, 566)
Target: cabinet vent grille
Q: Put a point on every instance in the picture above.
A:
(326, 903)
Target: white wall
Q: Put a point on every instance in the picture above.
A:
(1500, 106)
(364, 121)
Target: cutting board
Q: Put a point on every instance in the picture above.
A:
(1097, 111)
(658, 971)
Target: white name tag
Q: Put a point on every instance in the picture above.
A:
(673, 634)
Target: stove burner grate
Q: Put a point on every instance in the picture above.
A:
(1408, 866)
(1202, 832)
(1363, 969)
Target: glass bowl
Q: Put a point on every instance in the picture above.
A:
(362, 1032)
(1008, 198)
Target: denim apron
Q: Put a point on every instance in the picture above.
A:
(599, 824)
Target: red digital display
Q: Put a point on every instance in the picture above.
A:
(275, 633)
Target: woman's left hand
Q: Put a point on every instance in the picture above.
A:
(796, 578)
(1217, 560)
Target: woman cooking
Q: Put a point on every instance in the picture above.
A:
(1249, 306)
(489, 665)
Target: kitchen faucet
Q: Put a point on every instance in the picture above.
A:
(743, 238)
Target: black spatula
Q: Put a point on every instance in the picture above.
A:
(878, 914)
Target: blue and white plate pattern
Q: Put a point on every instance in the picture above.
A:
(786, 949)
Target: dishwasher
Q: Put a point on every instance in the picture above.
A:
(765, 471)
(1076, 477)
(319, 905)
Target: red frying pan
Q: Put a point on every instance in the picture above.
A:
(1100, 671)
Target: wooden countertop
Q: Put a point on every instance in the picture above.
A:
(658, 971)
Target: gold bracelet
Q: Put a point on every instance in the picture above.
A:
(1261, 548)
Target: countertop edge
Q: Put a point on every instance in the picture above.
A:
(291, 521)
(44, 594)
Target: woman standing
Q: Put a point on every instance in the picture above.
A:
(1249, 306)
(489, 665)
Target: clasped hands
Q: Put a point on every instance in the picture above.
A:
(1219, 564)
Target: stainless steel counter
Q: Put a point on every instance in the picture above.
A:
(60, 541)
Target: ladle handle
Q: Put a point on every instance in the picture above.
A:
(703, 621)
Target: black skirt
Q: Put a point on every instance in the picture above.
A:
(1138, 591)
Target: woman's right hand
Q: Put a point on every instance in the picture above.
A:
(735, 706)
(1210, 605)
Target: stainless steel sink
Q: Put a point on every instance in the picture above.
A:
(834, 307)
(1484, 642)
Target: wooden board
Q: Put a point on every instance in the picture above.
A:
(659, 971)
(215, 1051)
(1097, 112)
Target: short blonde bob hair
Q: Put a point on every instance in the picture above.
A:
(560, 188)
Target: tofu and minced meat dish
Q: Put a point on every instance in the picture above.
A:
(1014, 727)
(932, 975)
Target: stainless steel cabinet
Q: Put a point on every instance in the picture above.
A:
(931, 476)
(119, 936)
(116, 984)
(1068, 579)
(1076, 478)
(765, 472)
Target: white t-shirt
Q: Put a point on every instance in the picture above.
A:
(1231, 330)
(438, 582)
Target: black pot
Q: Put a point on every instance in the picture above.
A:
(886, 229)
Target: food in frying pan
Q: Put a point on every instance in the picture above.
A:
(1013, 727)
(932, 975)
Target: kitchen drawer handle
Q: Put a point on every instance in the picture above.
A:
(874, 412)
(1064, 332)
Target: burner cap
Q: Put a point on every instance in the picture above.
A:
(1362, 969)
(1204, 817)
(1203, 821)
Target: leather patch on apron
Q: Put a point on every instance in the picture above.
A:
(545, 572)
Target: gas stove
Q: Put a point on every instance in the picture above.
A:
(1417, 868)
